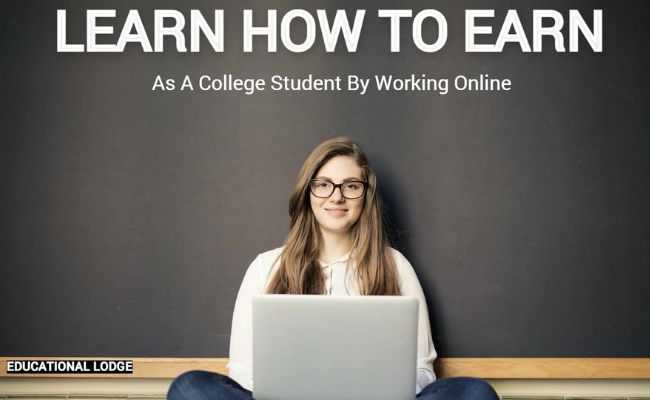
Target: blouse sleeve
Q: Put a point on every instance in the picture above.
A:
(426, 353)
(240, 363)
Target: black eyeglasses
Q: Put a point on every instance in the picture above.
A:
(349, 189)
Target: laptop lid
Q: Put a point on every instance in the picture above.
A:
(329, 347)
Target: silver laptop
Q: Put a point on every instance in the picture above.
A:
(334, 348)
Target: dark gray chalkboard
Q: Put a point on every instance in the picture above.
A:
(128, 217)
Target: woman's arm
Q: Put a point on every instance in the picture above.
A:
(426, 352)
(240, 364)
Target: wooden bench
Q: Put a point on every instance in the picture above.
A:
(487, 368)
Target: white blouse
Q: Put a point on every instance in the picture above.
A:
(339, 282)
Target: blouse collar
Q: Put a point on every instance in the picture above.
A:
(343, 258)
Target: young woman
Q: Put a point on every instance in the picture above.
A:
(336, 245)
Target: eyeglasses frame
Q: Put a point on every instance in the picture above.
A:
(340, 187)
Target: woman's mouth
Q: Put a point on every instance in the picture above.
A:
(336, 212)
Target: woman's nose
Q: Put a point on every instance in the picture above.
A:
(337, 195)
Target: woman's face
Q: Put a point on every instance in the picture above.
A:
(337, 214)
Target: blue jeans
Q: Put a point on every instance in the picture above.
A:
(204, 385)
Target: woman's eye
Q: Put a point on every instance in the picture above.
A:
(353, 186)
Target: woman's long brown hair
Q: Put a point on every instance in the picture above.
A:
(299, 271)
